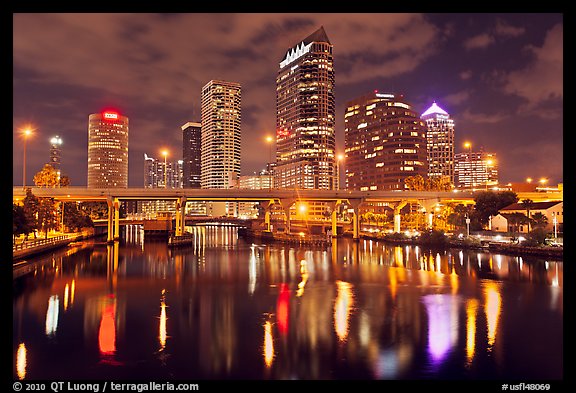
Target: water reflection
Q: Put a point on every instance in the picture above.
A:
(353, 310)
(268, 348)
(492, 308)
(342, 309)
(21, 361)
(162, 328)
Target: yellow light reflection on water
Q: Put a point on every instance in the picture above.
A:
(72, 290)
(162, 329)
(268, 349)
(21, 361)
(304, 273)
(492, 308)
(471, 308)
(66, 289)
(342, 309)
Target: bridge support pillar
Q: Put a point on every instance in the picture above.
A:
(286, 203)
(355, 203)
(334, 217)
(116, 219)
(397, 217)
(267, 214)
(180, 215)
(110, 232)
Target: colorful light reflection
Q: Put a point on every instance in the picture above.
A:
(442, 325)
(342, 308)
(268, 349)
(21, 361)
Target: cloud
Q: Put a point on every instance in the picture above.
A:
(465, 75)
(484, 118)
(457, 98)
(542, 79)
(479, 41)
(501, 30)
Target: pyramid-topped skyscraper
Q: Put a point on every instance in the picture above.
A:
(439, 142)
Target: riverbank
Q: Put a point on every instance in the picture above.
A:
(503, 248)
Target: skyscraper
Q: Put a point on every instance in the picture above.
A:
(191, 154)
(385, 142)
(107, 150)
(221, 135)
(305, 116)
(475, 170)
(440, 142)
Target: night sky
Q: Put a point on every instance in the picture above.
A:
(500, 76)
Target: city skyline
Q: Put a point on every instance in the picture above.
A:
(479, 68)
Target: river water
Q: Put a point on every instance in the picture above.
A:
(224, 308)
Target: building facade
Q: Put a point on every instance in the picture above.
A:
(191, 154)
(385, 142)
(162, 174)
(221, 133)
(475, 170)
(107, 150)
(305, 116)
(439, 142)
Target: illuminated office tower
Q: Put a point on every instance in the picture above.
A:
(107, 150)
(191, 154)
(440, 142)
(220, 136)
(385, 142)
(475, 170)
(305, 116)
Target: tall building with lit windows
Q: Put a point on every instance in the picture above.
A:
(107, 150)
(385, 142)
(191, 154)
(221, 133)
(305, 116)
(475, 170)
(439, 142)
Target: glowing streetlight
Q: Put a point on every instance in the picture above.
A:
(528, 180)
(543, 181)
(468, 146)
(165, 154)
(25, 133)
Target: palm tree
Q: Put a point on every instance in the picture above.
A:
(539, 220)
(529, 204)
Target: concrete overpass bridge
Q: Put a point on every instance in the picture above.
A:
(284, 198)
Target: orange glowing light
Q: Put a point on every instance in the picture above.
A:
(107, 332)
(283, 308)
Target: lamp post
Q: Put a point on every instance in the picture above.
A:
(269, 140)
(165, 154)
(339, 157)
(467, 226)
(555, 221)
(26, 133)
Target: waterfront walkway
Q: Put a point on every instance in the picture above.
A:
(37, 246)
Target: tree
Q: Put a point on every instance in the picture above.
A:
(76, 219)
(31, 205)
(515, 220)
(19, 222)
(528, 204)
(414, 183)
(96, 210)
(488, 203)
(64, 181)
(47, 177)
(47, 218)
(539, 220)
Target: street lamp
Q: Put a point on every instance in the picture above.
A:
(26, 133)
(165, 154)
(339, 157)
(467, 226)
(555, 221)
(269, 140)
